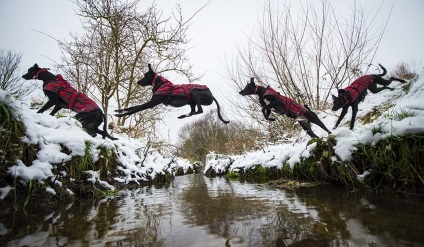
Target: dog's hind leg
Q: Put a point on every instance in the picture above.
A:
(104, 132)
(198, 102)
(374, 89)
(397, 79)
(192, 112)
(385, 83)
(313, 118)
(306, 125)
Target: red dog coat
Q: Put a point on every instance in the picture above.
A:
(290, 107)
(167, 88)
(75, 100)
(358, 86)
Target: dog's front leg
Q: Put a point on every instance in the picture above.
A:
(155, 100)
(342, 114)
(55, 109)
(46, 106)
(266, 113)
(266, 110)
(354, 111)
(125, 109)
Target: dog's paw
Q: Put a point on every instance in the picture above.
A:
(185, 115)
(120, 115)
(119, 110)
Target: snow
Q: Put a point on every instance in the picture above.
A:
(401, 113)
(4, 191)
(51, 134)
(51, 190)
(38, 170)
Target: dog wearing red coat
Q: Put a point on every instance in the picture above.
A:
(271, 100)
(62, 95)
(356, 92)
(164, 92)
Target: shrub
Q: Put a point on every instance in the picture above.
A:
(407, 71)
(198, 138)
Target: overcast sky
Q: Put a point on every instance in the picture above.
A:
(213, 33)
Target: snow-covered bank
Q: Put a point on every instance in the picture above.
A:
(59, 140)
(380, 116)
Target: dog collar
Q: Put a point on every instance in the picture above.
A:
(154, 79)
(38, 72)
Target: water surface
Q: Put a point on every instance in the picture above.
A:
(198, 211)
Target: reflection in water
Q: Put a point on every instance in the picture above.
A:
(199, 211)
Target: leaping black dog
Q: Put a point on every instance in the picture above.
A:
(164, 92)
(356, 92)
(271, 100)
(62, 95)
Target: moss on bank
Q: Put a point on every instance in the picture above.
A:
(394, 164)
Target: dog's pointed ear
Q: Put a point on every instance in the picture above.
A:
(35, 66)
(150, 67)
(334, 97)
(252, 80)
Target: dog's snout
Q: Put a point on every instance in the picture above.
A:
(27, 76)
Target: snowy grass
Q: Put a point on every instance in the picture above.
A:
(384, 148)
(45, 156)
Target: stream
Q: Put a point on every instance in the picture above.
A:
(194, 210)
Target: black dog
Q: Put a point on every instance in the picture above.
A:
(62, 95)
(164, 92)
(356, 92)
(272, 100)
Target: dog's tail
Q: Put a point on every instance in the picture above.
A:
(105, 133)
(384, 70)
(219, 111)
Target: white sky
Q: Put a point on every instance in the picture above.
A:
(214, 32)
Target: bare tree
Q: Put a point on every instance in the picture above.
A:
(10, 78)
(305, 54)
(111, 55)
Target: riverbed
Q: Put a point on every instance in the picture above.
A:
(194, 210)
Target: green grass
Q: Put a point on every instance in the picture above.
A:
(395, 163)
(79, 164)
